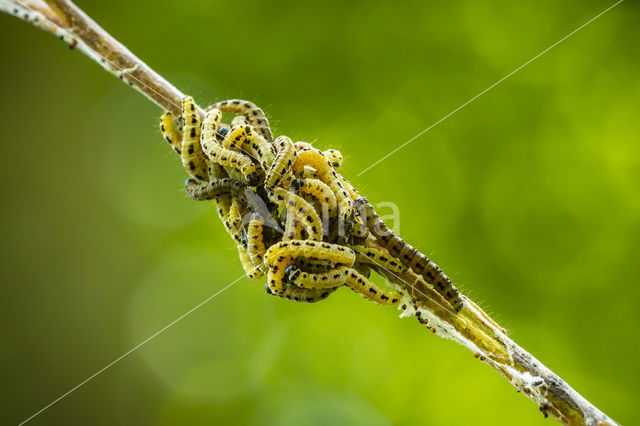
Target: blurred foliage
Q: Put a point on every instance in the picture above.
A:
(529, 197)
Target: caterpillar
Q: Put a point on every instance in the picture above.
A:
(303, 295)
(315, 159)
(376, 257)
(255, 242)
(249, 267)
(313, 265)
(233, 220)
(254, 115)
(369, 290)
(281, 167)
(334, 156)
(330, 279)
(170, 132)
(337, 254)
(215, 189)
(194, 162)
(276, 273)
(302, 210)
(408, 255)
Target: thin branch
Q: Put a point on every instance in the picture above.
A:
(473, 328)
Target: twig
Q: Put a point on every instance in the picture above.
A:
(474, 329)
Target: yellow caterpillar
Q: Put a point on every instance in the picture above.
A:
(378, 258)
(334, 156)
(214, 189)
(255, 242)
(254, 115)
(408, 255)
(275, 275)
(169, 131)
(330, 279)
(369, 290)
(233, 221)
(302, 210)
(194, 162)
(337, 254)
(304, 295)
(249, 268)
(281, 167)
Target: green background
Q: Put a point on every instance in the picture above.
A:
(529, 197)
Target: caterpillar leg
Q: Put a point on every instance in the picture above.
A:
(303, 295)
(408, 255)
(170, 132)
(254, 115)
(192, 157)
(369, 290)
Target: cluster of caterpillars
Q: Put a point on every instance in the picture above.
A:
(292, 215)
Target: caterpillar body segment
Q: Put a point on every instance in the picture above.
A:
(192, 158)
(330, 279)
(170, 133)
(239, 120)
(334, 156)
(303, 295)
(276, 273)
(255, 242)
(211, 127)
(301, 209)
(253, 113)
(249, 267)
(234, 219)
(336, 254)
(408, 255)
(280, 170)
(369, 290)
